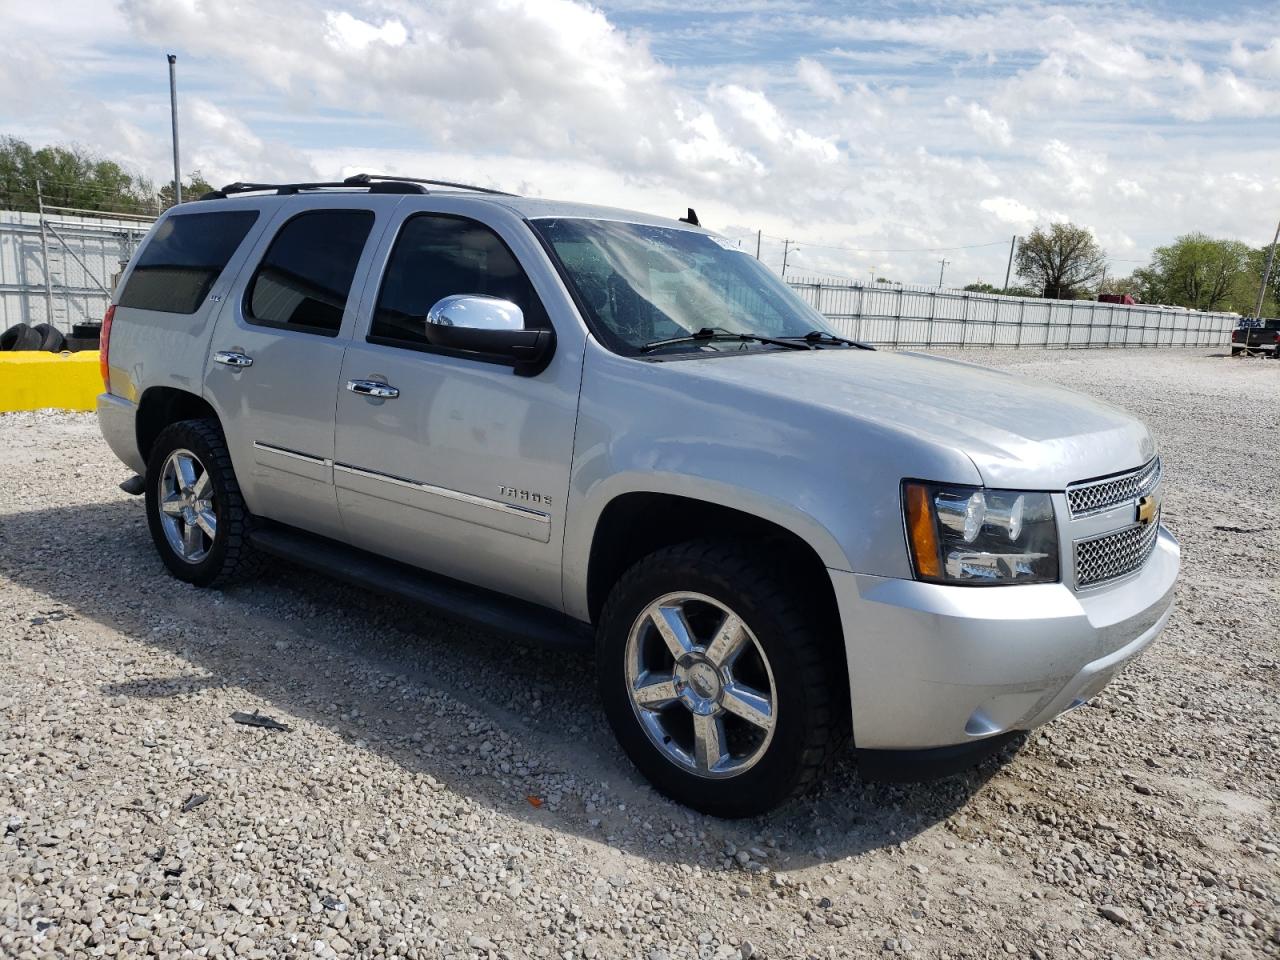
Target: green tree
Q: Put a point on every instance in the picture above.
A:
(1247, 294)
(194, 186)
(68, 177)
(1131, 285)
(1201, 273)
(981, 288)
(1061, 262)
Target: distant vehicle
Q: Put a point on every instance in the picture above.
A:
(1259, 336)
(1117, 298)
(552, 418)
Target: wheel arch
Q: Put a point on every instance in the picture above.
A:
(635, 524)
(160, 406)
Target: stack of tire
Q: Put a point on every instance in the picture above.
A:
(44, 336)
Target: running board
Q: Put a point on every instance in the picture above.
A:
(459, 601)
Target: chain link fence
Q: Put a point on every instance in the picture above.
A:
(907, 316)
(61, 268)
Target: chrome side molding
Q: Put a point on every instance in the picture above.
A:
(470, 498)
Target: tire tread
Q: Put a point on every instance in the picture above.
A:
(790, 602)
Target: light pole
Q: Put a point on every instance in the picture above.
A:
(942, 268)
(1266, 274)
(173, 111)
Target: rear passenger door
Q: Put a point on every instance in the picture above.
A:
(276, 354)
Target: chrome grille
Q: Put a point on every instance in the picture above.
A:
(1114, 555)
(1095, 496)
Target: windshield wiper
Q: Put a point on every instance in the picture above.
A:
(707, 334)
(822, 336)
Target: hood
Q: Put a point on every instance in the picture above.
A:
(1018, 433)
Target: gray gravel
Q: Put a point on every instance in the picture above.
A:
(442, 793)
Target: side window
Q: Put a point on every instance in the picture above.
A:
(437, 256)
(183, 258)
(306, 275)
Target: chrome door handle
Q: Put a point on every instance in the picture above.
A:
(231, 359)
(373, 388)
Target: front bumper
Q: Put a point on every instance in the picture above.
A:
(935, 666)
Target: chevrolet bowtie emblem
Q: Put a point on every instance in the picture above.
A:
(1147, 509)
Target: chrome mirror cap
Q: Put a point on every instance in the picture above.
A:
(476, 311)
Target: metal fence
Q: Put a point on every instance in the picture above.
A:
(906, 316)
(59, 267)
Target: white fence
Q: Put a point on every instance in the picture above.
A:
(61, 269)
(900, 316)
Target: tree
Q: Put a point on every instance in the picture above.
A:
(1132, 285)
(981, 288)
(68, 177)
(1201, 273)
(1061, 261)
(194, 187)
(1249, 286)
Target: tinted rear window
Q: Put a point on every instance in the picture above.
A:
(305, 277)
(183, 259)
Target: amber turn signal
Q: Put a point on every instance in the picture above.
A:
(922, 531)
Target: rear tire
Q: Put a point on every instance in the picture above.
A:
(773, 714)
(196, 514)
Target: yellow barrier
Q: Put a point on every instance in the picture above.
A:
(33, 380)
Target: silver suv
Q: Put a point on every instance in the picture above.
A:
(586, 424)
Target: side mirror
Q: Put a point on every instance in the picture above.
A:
(491, 328)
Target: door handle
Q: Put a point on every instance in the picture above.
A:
(232, 359)
(373, 389)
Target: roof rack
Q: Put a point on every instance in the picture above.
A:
(360, 179)
(373, 182)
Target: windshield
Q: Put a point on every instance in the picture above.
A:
(641, 284)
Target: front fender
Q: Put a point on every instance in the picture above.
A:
(826, 477)
(586, 509)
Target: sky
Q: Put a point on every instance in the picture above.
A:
(880, 138)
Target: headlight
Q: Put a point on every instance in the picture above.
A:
(976, 537)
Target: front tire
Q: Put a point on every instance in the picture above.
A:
(719, 678)
(196, 514)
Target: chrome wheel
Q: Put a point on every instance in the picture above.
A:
(187, 513)
(701, 685)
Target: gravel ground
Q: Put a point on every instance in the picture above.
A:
(441, 793)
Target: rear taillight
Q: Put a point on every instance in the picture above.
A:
(104, 345)
(1237, 336)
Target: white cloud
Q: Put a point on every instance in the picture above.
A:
(348, 33)
(819, 80)
(1010, 210)
(990, 126)
(959, 128)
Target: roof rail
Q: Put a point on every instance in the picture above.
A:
(286, 189)
(361, 179)
(373, 182)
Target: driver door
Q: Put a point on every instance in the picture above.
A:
(447, 459)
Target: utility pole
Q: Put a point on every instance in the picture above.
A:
(786, 247)
(942, 268)
(44, 255)
(1266, 274)
(1009, 269)
(759, 233)
(173, 110)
